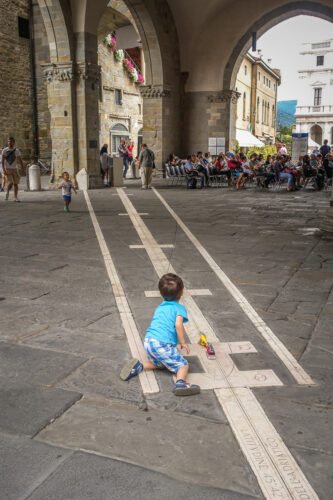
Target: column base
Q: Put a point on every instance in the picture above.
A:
(95, 181)
(326, 225)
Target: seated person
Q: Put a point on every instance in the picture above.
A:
(221, 168)
(208, 158)
(290, 168)
(201, 166)
(278, 168)
(192, 171)
(258, 170)
(245, 175)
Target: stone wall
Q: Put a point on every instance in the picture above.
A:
(42, 56)
(15, 79)
(129, 113)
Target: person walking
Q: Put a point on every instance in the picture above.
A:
(123, 153)
(105, 165)
(146, 164)
(10, 156)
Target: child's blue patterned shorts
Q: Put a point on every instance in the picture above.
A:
(162, 354)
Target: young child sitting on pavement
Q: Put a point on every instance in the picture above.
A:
(161, 338)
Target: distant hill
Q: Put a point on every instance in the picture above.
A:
(285, 113)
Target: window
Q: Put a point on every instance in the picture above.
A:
(140, 133)
(320, 45)
(139, 106)
(23, 27)
(118, 132)
(244, 106)
(258, 109)
(269, 83)
(320, 60)
(273, 115)
(264, 80)
(267, 117)
(118, 96)
(317, 97)
(245, 69)
(263, 112)
(259, 76)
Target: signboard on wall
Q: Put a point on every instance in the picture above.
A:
(299, 146)
(216, 145)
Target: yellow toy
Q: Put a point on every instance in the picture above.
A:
(203, 340)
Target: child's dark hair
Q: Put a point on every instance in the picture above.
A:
(64, 173)
(171, 286)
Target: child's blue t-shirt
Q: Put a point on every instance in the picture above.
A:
(163, 324)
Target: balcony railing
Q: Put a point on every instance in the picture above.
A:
(304, 110)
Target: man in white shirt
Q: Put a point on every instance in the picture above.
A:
(10, 156)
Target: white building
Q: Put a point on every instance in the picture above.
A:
(314, 112)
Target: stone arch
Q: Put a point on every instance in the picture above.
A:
(265, 23)
(316, 133)
(57, 20)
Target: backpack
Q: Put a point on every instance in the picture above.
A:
(192, 183)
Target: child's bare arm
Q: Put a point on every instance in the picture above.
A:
(60, 186)
(181, 334)
(74, 190)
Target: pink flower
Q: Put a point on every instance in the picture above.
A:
(140, 78)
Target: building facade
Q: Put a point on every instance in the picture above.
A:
(314, 112)
(257, 84)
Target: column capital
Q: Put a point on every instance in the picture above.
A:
(88, 71)
(154, 91)
(69, 71)
(224, 96)
(62, 72)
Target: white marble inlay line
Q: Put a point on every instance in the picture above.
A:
(147, 379)
(142, 213)
(142, 246)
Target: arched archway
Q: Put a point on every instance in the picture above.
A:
(260, 26)
(263, 24)
(316, 134)
(74, 75)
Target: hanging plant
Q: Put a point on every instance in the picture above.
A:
(119, 55)
(129, 67)
(141, 80)
(110, 42)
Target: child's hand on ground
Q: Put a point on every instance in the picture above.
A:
(186, 347)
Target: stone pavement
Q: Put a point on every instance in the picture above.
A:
(70, 428)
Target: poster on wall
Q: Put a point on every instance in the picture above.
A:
(216, 145)
(299, 146)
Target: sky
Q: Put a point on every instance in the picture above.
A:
(283, 43)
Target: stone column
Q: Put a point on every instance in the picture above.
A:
(87, 95)
(61, 104)
(160, 130)
(208, 114)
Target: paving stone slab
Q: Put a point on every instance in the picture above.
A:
(121, 431)
(26, 409)
(25, 464)
(22, 364)
(101, 377)
(84, 476)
